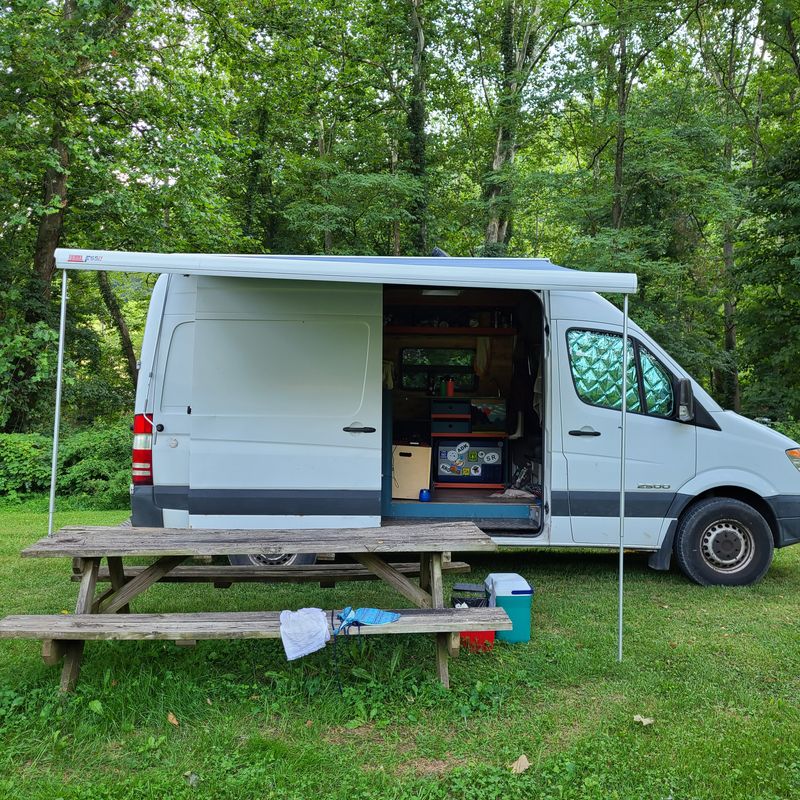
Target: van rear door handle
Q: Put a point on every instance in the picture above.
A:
(358, 429)
(585, 431)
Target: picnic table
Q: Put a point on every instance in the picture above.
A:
(103, 615)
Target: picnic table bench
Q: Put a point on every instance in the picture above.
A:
(106, 614)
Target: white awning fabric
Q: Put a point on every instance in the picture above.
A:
(499, 273)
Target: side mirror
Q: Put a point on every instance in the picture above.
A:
(685, 400)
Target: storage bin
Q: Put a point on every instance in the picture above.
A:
(448, 406)
(450, 426)
(514, 594)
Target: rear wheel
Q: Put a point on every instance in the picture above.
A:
(723, 542)
(281, 560)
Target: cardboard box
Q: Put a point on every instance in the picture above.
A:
(411, 471)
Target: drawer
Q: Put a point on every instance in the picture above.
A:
(450, 406)
(450, 426)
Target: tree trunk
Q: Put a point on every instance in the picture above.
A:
(791, 39)
(54, 199)
(324, 151)
(416, 119)
(622, 109)
(114, 310)
(731, 389)
(497, 191)
(396, 222)
(254, 178)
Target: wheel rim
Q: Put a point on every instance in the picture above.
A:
(727, 546)
(264, 560)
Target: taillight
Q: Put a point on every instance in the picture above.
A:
(142, 472)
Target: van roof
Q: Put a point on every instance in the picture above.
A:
(501, 273)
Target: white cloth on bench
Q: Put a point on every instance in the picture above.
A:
(303, 632)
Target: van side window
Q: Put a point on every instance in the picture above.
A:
(658, 393)
(595, 359)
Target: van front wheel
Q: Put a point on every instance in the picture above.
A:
(723, 542)
(264, 560)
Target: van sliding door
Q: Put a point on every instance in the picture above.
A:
(286, 404)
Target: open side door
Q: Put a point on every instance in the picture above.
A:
(286, 404)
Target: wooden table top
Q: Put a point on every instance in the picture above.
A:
(97, 542)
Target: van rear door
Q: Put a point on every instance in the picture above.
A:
(286, 404)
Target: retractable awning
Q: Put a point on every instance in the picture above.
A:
(499, 273)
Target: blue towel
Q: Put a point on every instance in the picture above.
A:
(364, 616)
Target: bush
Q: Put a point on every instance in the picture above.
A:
(790, 428)
(24, 463)
(96, 464)
(93, 465)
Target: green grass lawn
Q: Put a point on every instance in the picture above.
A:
(717, 670)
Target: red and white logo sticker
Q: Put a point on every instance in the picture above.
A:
(75, 258)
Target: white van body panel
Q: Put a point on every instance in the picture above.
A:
(744, 454)
(281, 368)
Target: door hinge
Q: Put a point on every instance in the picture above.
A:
(188, 409)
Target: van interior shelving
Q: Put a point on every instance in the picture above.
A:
(462, 377)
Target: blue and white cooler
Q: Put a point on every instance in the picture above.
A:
(514, 594)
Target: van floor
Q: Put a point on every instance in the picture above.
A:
(470, 496)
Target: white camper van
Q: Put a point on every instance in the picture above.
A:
(320, 392)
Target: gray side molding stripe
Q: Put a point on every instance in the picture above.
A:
(269, 501)
(606, 504)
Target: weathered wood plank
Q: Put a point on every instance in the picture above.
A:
(442, 654)
(52, 651)
(91, 568)
(232, 625)
(116, 571)
(101, 598)
(99, 542)
(425, 571)
(395, 579)
(144, 580)
(437, 585)
(453, 644)
(73, 651)
(442, 639)
(313, 573)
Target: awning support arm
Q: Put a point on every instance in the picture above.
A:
(57, 418)
(623, 441)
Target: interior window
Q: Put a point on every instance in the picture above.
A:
(423, 367)
(595, 359)
(658, 392)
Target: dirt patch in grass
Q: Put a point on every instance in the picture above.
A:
(400, 739)
(429, 767)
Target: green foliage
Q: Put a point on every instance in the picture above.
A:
(656, 140)
(93, 465)
(24, 463)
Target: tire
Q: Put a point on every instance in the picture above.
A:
(283, 560)
(723, 542)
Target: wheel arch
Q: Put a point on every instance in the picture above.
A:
(742, 494)
(684, 502)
